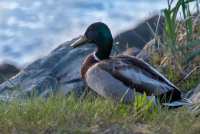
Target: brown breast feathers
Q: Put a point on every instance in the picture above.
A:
(88, 62)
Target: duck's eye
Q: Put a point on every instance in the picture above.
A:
(91, 35)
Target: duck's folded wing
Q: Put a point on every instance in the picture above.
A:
(146, 67)
(108, 86)
(137, 74)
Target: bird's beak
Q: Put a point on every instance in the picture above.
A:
(80, 41)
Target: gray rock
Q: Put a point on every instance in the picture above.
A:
(146, 53)
(7, 70)
(57, 72)
(140, 35)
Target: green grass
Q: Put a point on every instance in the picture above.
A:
(171, 25)
(92, 115)
(179, 48)
(185, 85)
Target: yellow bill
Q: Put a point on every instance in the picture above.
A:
(79, 42)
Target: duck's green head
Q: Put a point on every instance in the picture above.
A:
(99, 34)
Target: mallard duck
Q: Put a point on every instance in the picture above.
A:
(119, 76)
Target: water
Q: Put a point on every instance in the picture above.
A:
(30, 29)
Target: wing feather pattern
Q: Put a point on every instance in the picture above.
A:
(133, 73)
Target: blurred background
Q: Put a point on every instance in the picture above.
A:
(30, 29)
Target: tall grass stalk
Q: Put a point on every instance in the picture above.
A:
(171, 16)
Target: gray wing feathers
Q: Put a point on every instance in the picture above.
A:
(158, 73)
(139, 78)
(139, 74)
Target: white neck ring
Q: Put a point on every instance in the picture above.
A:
(95, 57)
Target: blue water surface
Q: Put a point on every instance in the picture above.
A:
(30, 29)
